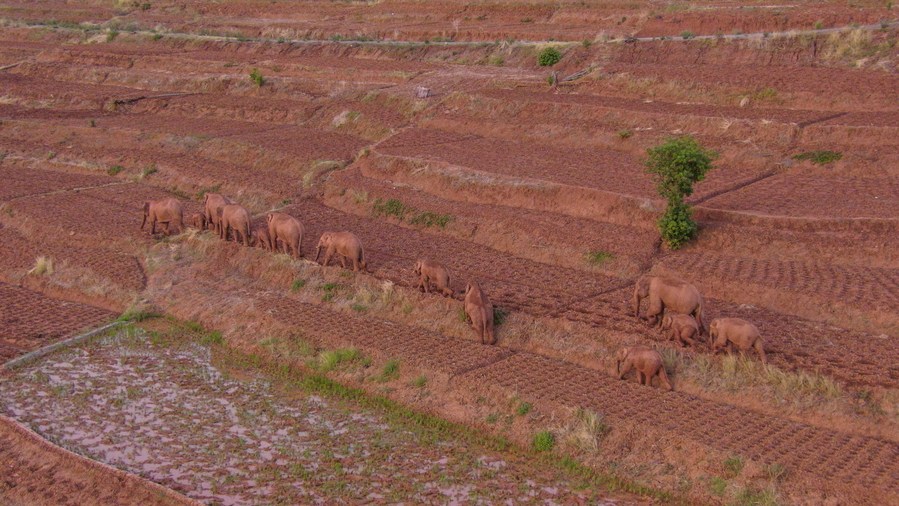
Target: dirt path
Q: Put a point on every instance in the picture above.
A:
(160, 409)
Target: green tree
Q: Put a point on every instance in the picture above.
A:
(676, 165)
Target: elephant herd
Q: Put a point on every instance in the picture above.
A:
(674, 305)
(284, 233)
(677, 308)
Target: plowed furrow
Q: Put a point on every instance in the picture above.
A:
(808, 449)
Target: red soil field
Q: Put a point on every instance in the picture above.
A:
(31, 320)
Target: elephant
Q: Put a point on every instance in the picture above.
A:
(287, 229)
(212, 202)
(167, 211)
(197, 220)
(234, 217)
(681, 328)
(262, 239)
(668, 293)
(646, 361)
(744, 335)
(345, 244)
(480, 311)
(431, 272)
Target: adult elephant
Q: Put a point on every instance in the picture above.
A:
(166, 211)
(346, 245)
(234, 217)
(212, 203)
(668, 293)
(287, 229)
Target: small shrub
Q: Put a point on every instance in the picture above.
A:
(51, 155)
(359, 308)
(599, 257)
(718, 485)
(297, 285)
(420, 382)
(431, 219)
(544, 441)
(548, 57)
(212, 338)
(93, 123)
(625, 134)
(148, 171)
(819, 25)
(391, 207)
(157, 37)
(257, 78)
(137, 315)
(115, 169)
(586, 42)
(819, 157)
(776, 472)
(753, 497)
(391, 370)
(551, 79)
(42, 265)
(687, 34)
(330, 359)
(677, 226)
(145, 6)
(499, 315)
(733, 465)
(523, 408)
(462, 315)
(111, 35)
(492, 418)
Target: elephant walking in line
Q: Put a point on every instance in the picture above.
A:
(346, 245)
(197, 220)
(262, 239)
(668, 293)
(233, 217)
(738, 332)
(432, 273)
(287, 229)
(480, 311)
(212, 203)
(646, 361)
(166, 211)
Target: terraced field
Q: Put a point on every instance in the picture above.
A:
(537, 192)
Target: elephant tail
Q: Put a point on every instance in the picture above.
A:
(362, 258)
(146, 213)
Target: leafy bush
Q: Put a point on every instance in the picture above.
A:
(676, 165)
(625, 134)
(257, 78)
(687, 34)
(598, 257)
(115, 169)
(391, 207)
(819, 157)
(523, 408)
(431, 219)
(297, 285)
(544, 441)
(733, 465)
(548, 57)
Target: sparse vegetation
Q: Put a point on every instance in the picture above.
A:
(420, 382)
(397, 209)
(115, 169)
(548, 57)
(733, 465)
(819, 157)
(686, 35)
(391, 370)
(523, 408)
(136, 314)
(598, 257)
(42, 266)
(297, 285)
(543, 441)
(111, 35)
(585, 430)
(499, 315)
(676, 165)
(330, 359)
(257, 78)
(147, 171)
(625, 134)
(717, 486)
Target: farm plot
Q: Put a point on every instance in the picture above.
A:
(815, 196)
(29, 320)
(162, 410)
(21, 180)
(514, 283)
(865, 464)
(37, 473)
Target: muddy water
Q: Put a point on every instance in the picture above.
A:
(163, 411)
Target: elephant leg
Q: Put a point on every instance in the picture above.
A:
(663, 378)
(356, 264)
(760, 348)
(153, 226)
(624, 370)
(448, 292)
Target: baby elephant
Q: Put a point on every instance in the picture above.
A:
(737, 331)
(433, 273)
(646, 361)
(480, 312)
(197, 220)
(681, 328)
(262, 240)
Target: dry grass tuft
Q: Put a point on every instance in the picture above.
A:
(584, 431)
(42, 266)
